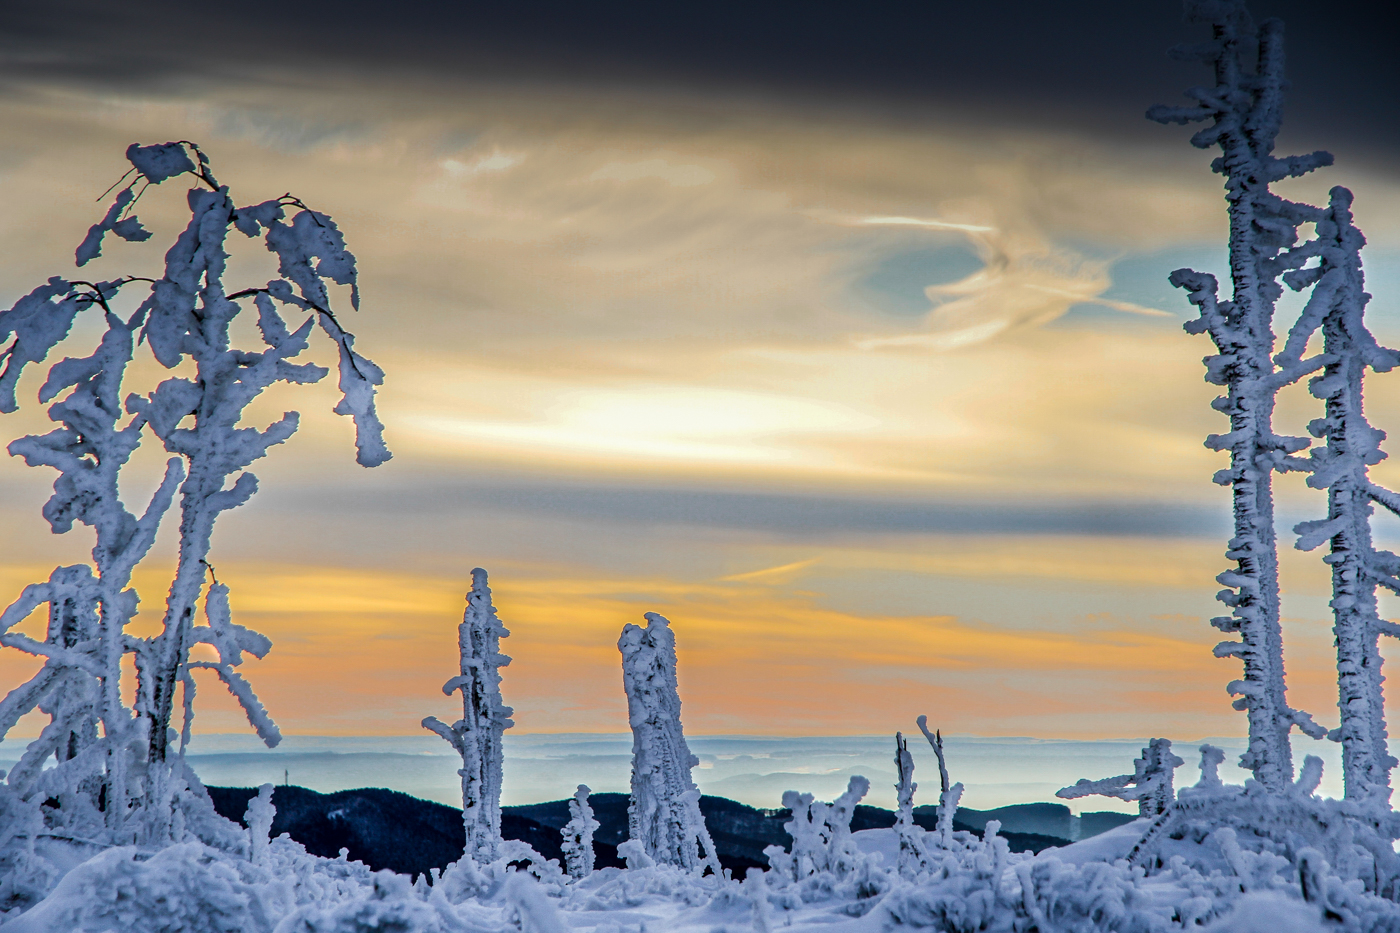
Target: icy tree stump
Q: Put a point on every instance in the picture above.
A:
(664, 815)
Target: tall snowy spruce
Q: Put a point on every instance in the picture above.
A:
(477, 735)
(664, 813)
(1245, 107)
(1337, 307)
(114, 773)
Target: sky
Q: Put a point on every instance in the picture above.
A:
(839, 336)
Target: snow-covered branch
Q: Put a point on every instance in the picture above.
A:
(1150, 784)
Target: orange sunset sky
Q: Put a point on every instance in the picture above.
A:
(889, 413)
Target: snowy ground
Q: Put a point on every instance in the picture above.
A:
(863, 883)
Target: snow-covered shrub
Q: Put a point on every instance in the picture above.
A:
(821, 835)
(91, 734)
(477, 735)
(967, 888)
(183, 888)
(664, 813)
(389, 905)
(530, 909)
(258, 817)
(756, 888)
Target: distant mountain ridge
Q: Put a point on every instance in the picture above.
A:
(388, 829)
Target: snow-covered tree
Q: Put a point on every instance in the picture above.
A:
(1337, 307)
(477, 735)
(1244, 107)
(578, 835)
(664, 813)
(187, 313)
(1150, 784)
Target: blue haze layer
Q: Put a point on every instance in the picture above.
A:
(752, 769)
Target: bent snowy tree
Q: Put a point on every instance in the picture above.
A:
(184, 315)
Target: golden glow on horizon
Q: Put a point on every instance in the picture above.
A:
(364, 652)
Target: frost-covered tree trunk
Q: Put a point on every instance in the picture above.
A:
(477, 735)
(1337, 307)
(1245, 108)
(664, 813)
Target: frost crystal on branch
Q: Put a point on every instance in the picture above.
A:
(664, 814)
(1244, 108)
(477, 735)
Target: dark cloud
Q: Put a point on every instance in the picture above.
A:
(787, 515)
(1093, 64)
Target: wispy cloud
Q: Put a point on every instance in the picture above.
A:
(495, 162)
(924, 222)
(1024, 282)
(779, 574)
